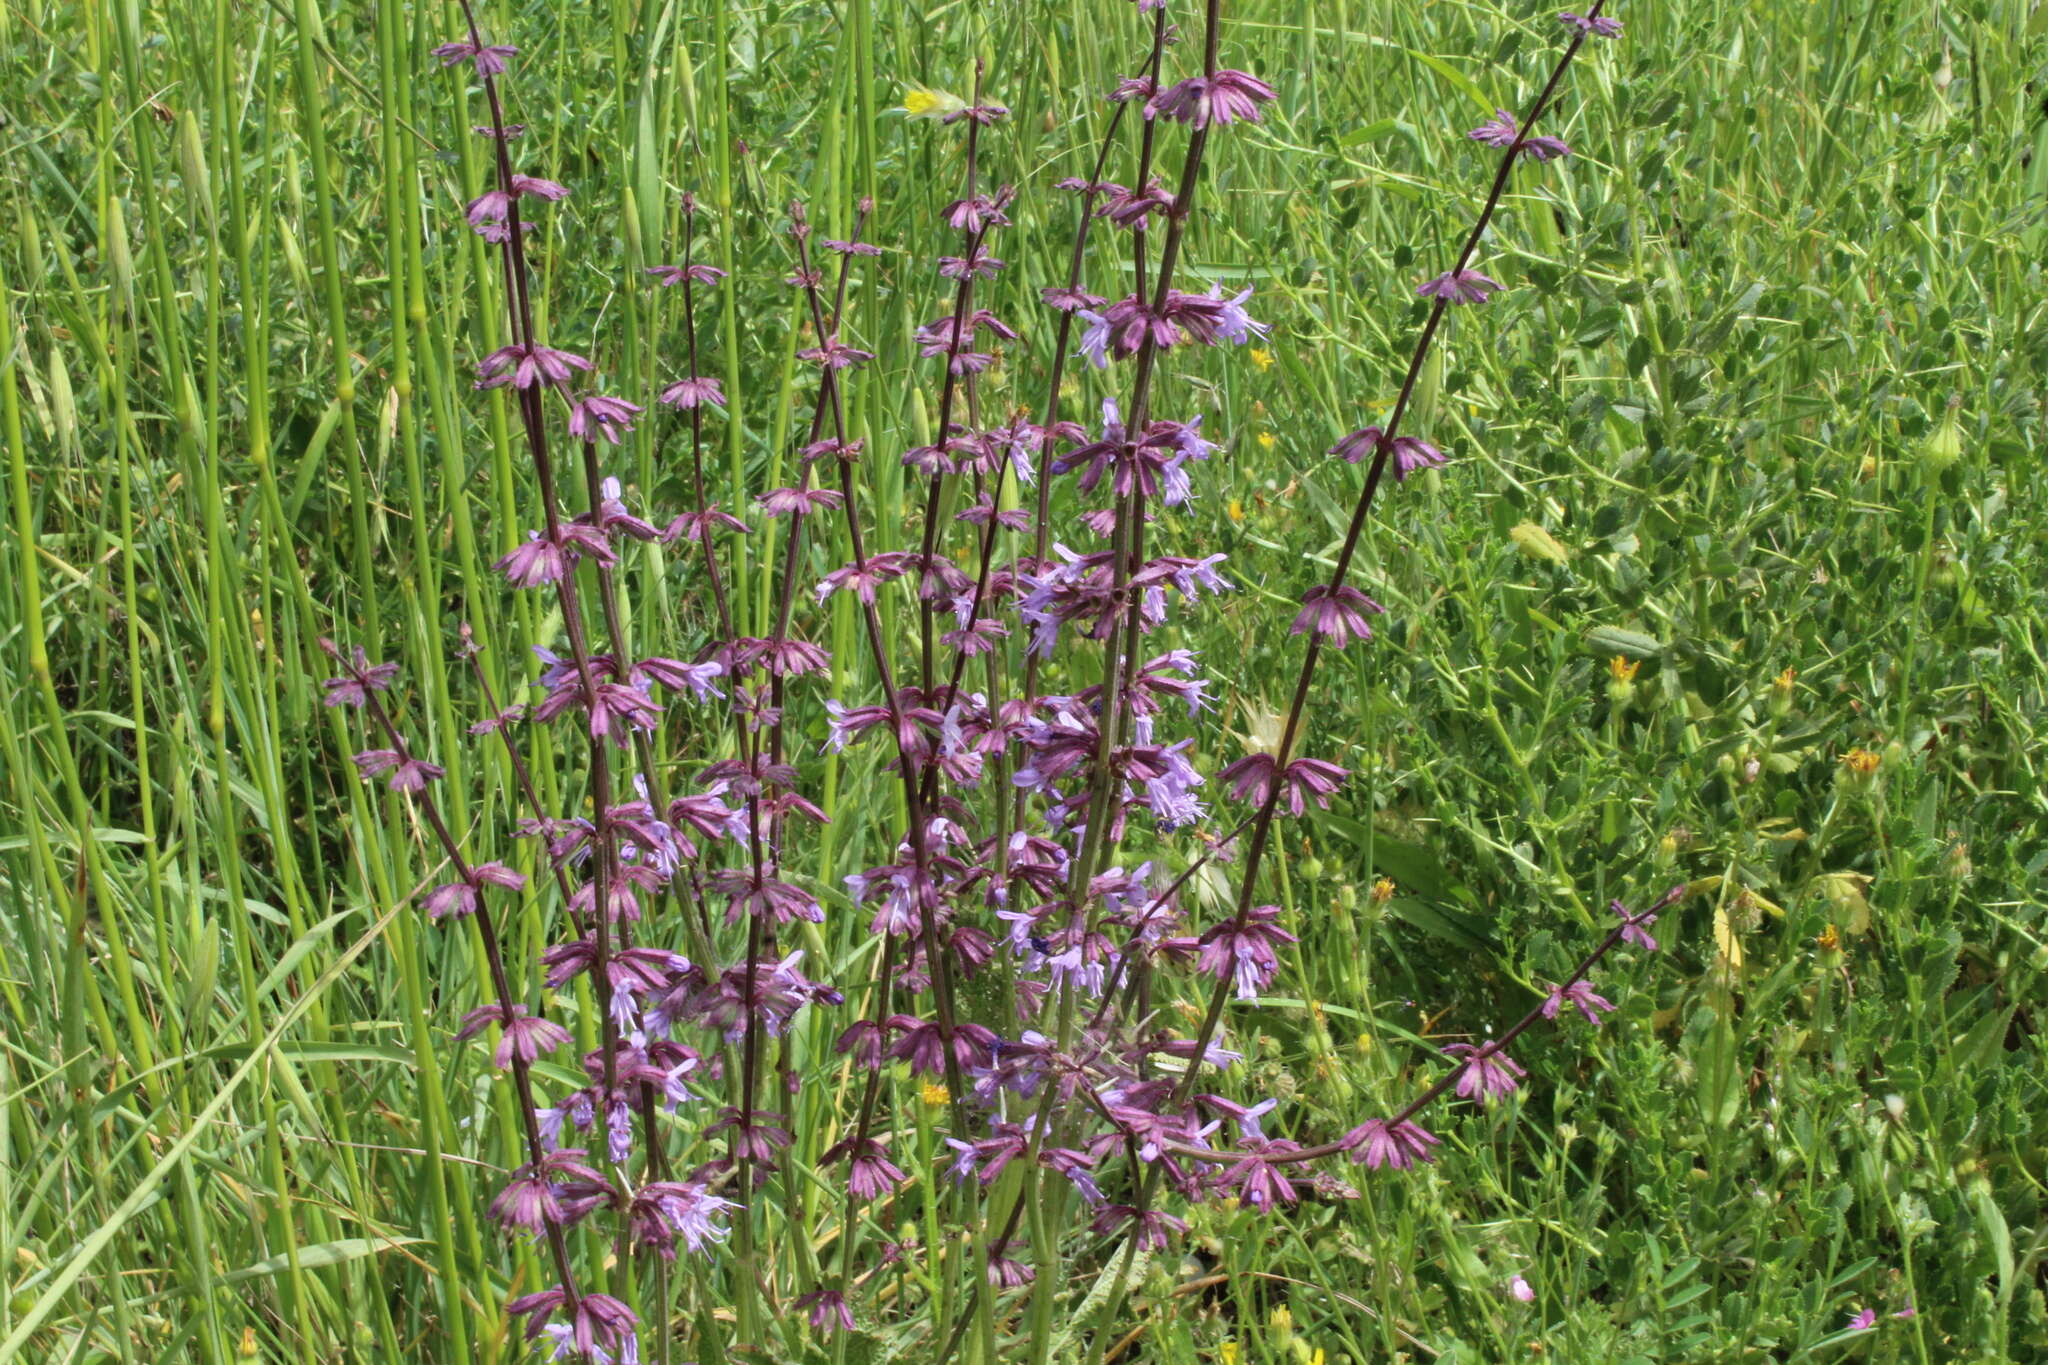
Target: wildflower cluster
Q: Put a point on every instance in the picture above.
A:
(1036, 722)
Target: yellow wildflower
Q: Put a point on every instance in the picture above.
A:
(1261, 357)
(919, 102)
(934, 1096)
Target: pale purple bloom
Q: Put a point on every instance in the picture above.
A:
(671, 275)
(1581, 994)
(1863, 1321)
(1502, 131)
(694, 392)
(524, 366)
(1095, 338)
(1459, 286)
(829, 1312)
(408, 774)
(353, 688)
(598, 415)
(489, 60)
(1635, 928)
(1235, 325)
(1336, 613)
(1252, 778)
(1487, 1074)
(1598, 25)
(1397, 1146)
(525, 1036)
(1225, 97)
(1519, 1287)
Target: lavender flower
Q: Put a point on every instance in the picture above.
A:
(1459, 286)
(1488, 1074)
(1394, 1145)
(1226, 97)
(597, 415)
(1579, 993)
(1598, 25)
(489, 61)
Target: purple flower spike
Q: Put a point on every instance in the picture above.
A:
(1459, 286)
(1487, 1075)
(1226, 97)
(1397, 1146)
(1581, 994)
(1409, 453)
(1336, 613)
(1597, 26)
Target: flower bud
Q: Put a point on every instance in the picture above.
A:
(1780, 703)
(1621, 680)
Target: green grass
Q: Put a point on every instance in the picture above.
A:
(1796, 240)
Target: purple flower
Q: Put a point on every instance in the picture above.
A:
(1502, 131)
(1634, 927)
(671, 275)
(408, 774)
(1579, 993)
(694, 392)
(798, 502)
(1252, 778)
(666, 1210)
(1459, 286)
(1863, 1321)
(1488, 1073)
(601, 1327)
(490, 61)
(1336, 613)
(1225, 97)
(1094, 338)
(1236, 326)
(1598, 25)
(598, 415)
(1520, 1288)
(1245, 951)
(1397, 1146)
(525, 366)
(525, 1036)
(1152, 1227)
(353, 688)
(545, 559)
(829, 1312)
(1408, 453)
(495, 206)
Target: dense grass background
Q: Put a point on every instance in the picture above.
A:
(1767, 398)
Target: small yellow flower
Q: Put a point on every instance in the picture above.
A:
(1267, 440)
(1861, 762)
(1622, 669)
(919, 102)
(934, 1096)
(1227, 1353)
(1235, 509)
(1262, 358)
(1382, 890)
(1830, 939)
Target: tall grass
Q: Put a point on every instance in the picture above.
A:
(1775, 406)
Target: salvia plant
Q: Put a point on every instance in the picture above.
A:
(1026, 1080)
